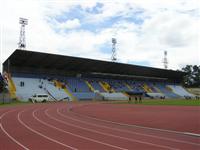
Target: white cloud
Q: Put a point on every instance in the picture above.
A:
(112, 9)
(168, 25)
(69, 24)
(174, 32)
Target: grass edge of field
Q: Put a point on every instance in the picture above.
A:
(169, 102)
(158, 102)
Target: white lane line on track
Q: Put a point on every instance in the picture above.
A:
(12, 138)
(192, 134)
(76, 135)
(38, 133)
(6, 113)
(111, 135)
(130, 125)
(125, 131)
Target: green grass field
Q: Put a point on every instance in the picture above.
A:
(176, 102)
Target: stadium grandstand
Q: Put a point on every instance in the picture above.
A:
(73, 78)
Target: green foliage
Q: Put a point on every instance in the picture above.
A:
(192, 77)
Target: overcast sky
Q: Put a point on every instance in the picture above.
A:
(143, 28)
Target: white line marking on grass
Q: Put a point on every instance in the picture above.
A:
(38, 133)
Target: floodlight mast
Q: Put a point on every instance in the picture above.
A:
(22, 40)
(165, 61)
(114, 53)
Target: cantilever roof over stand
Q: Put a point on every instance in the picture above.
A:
(30, 62)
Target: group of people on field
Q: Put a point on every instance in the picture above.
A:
(138, 99)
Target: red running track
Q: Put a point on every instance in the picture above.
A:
(178, 118)
(72, 126)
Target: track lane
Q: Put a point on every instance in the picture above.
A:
(51, 123)
(171, 141)
(20, 136)
(160, 134)
(120, 122)
(181, 118)
(7, 140)
(135, 141)
(80, 137)
(58, 144)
